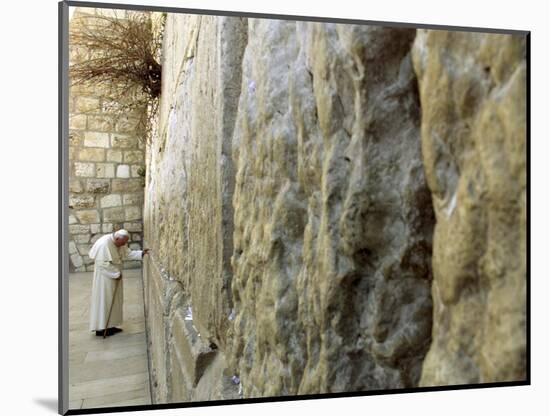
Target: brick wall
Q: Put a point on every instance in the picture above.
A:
(106, 167)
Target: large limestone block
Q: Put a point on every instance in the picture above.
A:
(187, 209)
(87, 216)
(217, 383)
(79, 229)
(105, 170)
(75, 138)
(156, 330)
(132, 213)
(77, 121)
(84, 169)
(123, 171)
(72, 247)
(75, 186)
(95, 139)
(473, 97)
(180, 386)
(215, 93)
(113, 214)
(97, 186)
(133, 199)
(136, 171)
(188, 214)
(165, 198)
(127, 124)
(194, 353)
(81, 201)
(91, 155)
(123, 141)
(112, 200)
(127, 185)
(164, 299)
(114, 155)
(87, 104)
(333, 218)
(133, 226)
(133, 156)
(81, 238)
(102, 123)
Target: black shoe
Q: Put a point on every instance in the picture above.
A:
(109, 332)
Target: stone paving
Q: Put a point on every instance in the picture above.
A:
(111, 371)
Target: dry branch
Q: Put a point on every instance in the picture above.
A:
(120, 56)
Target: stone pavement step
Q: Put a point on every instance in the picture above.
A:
(111, 371)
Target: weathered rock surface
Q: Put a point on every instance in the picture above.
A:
(188, 204)
(333, 218)
(292, 192)
(473, 98)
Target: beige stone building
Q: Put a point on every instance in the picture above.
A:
(106, 165)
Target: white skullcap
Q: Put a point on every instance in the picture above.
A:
(122, 233)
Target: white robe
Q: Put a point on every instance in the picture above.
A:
(107, 271)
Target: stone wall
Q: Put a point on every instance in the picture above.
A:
(474, 147)
(188, 193)
(301, 209)
(333, 218)
(106, 165)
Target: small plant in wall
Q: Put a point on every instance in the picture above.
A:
(142, 172)
(117, 55)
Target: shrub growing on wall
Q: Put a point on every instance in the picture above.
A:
(120, 54)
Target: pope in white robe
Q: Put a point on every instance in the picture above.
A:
(108, 254)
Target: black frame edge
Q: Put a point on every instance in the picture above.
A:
(181, 405)
(63, 126)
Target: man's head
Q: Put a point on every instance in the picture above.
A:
(121, 237)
